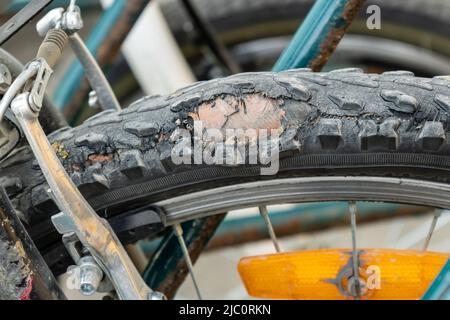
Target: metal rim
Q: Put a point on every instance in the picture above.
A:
(354, 47)
(299, 190)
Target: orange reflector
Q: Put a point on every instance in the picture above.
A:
(326, 274)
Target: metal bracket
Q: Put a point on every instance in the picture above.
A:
(94, 233)
(70, 241)
(138, 224)
(83, 261)
(78, 217)
(69, 20)
(40, 85)
(29, 71)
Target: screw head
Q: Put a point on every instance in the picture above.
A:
(90, 276)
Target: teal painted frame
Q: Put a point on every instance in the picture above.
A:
(440, 288)
(15, 5)
(325, 17)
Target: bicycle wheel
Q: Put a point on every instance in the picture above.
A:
(344, 135)
(256, 32)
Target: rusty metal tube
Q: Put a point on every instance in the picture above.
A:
(319, 35)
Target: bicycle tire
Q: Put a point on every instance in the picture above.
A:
(344, 122)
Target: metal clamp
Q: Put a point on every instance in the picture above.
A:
(10, 133)
(30, 70)
(37, 93)
(69, 20)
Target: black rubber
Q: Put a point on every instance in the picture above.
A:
(238, 21)
(339, 123)
(14, 270)
(421, 23)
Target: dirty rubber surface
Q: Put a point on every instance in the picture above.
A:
(14, 272)
(343, 122)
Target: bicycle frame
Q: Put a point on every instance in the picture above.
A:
(13, 6)
(319, 35)
(440, 288)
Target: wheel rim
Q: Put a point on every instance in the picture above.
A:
(298, 190)
(353, 48)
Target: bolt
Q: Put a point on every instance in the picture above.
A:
(356, 287)
(90, 276)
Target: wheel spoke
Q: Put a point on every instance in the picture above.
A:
(355, 257)
(179, 232)
(436, 217)
(265, 214)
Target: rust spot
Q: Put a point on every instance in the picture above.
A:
(99, 158)
(253, 111)
(335, 34)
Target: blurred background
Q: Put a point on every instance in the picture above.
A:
(249, 36)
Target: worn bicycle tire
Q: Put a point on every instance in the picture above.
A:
(343, 122)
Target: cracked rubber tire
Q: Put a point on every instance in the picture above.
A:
(339, 123)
